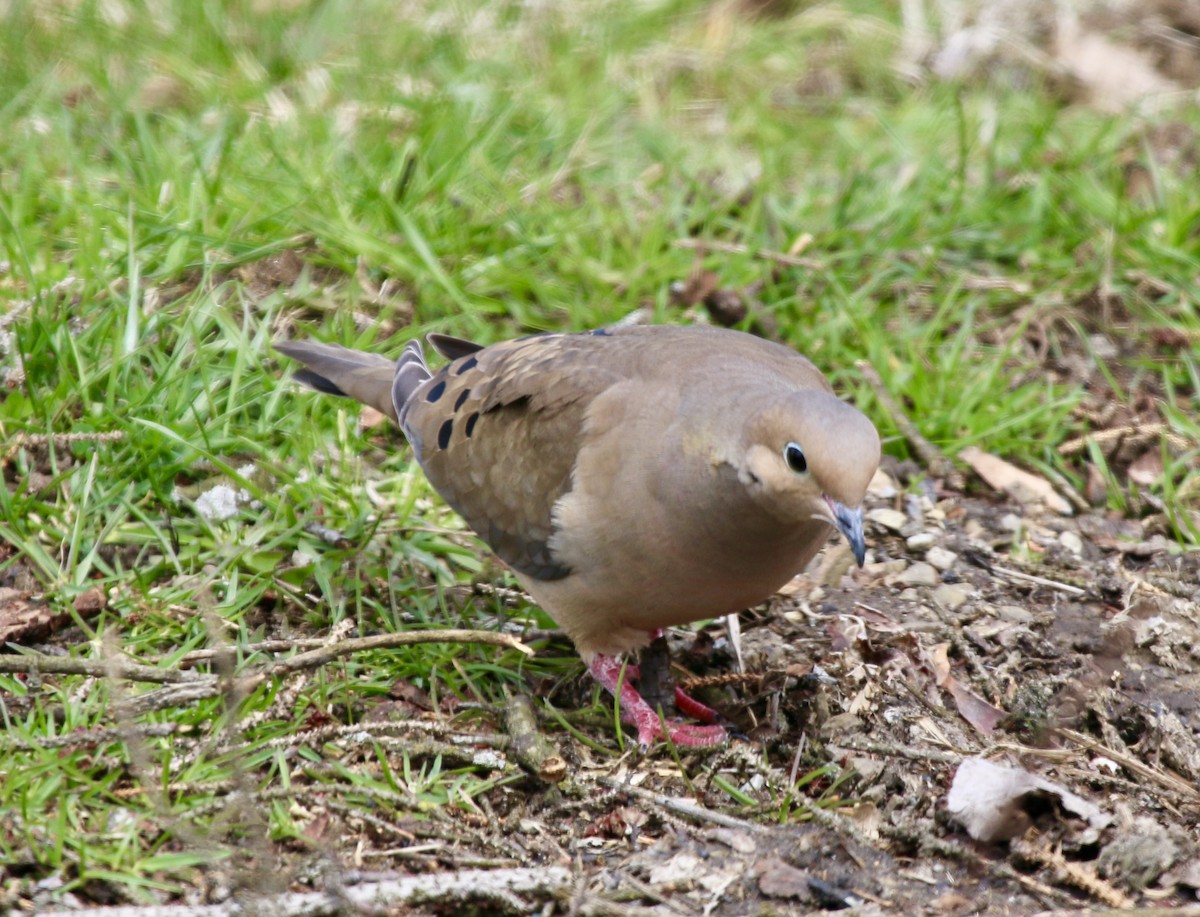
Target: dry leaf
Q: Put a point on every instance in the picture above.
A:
(1019, 484)
(971, 707)
(1147, 468)
(776, 879)
(25, 621)
(991, 801)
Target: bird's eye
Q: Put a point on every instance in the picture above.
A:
(794, 456)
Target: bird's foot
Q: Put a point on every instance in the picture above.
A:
(689, 706)
(637, 713)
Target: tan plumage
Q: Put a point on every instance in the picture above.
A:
(633, 478)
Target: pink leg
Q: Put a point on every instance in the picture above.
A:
(639, 714)
(684, 703)
(689, 706)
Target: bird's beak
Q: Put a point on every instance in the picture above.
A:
(850, 523)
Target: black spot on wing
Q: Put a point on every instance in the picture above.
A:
(444, 433)
(436, 392)
(468, 363)
(471, 421)
(466, 393)
(600, 333)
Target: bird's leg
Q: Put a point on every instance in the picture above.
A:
(637, 713)
(689, 706)
(653, 677)
(658, 653)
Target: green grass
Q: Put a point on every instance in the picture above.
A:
(486, 170)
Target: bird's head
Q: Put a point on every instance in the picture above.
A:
(811, 456)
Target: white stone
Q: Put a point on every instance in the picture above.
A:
(919, 574)
(1017, 614)
(951, 595)
(1071, 542)
(922, 541)
(941, 558)
(889, 518)
(1012, 522)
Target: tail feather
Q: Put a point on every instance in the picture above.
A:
(451, 347)
(411, 373)
(370, 378)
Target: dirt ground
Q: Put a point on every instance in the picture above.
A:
(1066, 646)
(1063, 647)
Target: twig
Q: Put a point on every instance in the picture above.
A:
(1163, 778)
(187, 660)
(530, 747)
(186, 686)
(682, 807)
(939, 466)
(356, 732)
(314, 658)
(1039, 580)
(97, 668)
(97, 736)
(173, 695)
(889, 750)
(439, 887)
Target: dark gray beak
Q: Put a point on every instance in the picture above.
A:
(850, 523)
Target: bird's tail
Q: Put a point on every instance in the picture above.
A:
(367, 377)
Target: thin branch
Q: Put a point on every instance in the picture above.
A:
(929, 454)
(682, 807)
(443, 887)
(320, 656)
(1038, 580)
(97, 668)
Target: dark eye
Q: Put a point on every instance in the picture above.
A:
(794, 456)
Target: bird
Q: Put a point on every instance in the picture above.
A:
(633, 478)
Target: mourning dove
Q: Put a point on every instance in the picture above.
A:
(632, 478)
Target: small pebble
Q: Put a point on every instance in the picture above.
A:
(951, 595)
(1071, 542)
(914, 506)
(885, 567)
(941, 558)
(882, 486)
(919, 574)
(1015, 613)
(889, 518)
(922, 541)
(1011, 522)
